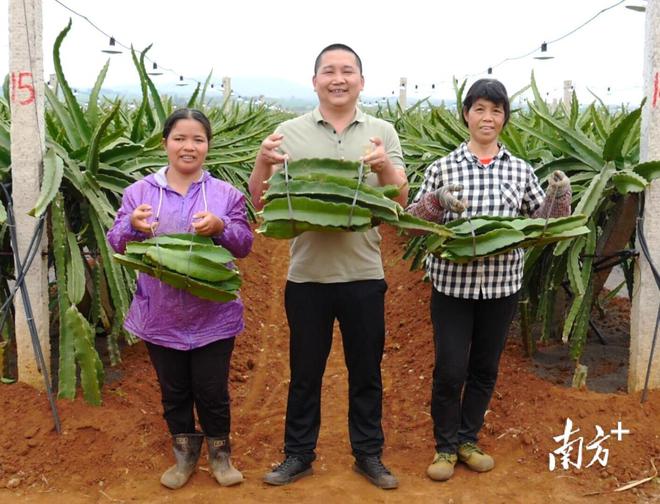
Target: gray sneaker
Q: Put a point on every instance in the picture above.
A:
(293, 468)
(375, 471)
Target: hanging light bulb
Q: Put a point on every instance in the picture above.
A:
(181, 82)
(544, 53)
(112, 48)
(154, 70)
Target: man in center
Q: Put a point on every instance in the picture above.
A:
(335, 275)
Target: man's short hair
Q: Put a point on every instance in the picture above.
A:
(337, 47)
(488, 89)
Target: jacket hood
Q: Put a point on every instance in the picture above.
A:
(159, 179)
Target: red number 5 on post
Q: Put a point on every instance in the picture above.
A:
(21, 82)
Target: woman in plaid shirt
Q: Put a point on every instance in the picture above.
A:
(472, 304)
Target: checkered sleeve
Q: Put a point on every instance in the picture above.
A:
(432, 180)
(534, 194)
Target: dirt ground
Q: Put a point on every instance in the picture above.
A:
(116, 453)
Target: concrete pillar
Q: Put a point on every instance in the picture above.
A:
(403, 93)
(646, 296)
(568, 95)
(27, 150)
(226, 87)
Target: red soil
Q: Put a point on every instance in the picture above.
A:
(116, 453)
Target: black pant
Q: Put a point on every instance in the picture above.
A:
(311, 309)
(196, 378)
(469, 336)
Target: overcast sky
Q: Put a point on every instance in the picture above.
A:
(426, 41)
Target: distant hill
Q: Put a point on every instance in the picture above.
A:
(287, 94)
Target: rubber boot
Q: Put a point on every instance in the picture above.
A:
(187, 448)
(224, 471)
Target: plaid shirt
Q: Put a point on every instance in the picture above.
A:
(508, 187)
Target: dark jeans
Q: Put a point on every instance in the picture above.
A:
(469, 336)
(311, 309)
(196, 378)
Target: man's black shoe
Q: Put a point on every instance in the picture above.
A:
(373, 469)
(292, 469)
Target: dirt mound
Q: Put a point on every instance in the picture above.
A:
(115, 453)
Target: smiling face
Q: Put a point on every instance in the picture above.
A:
(186, 146)
(485, 121)
(338, 80)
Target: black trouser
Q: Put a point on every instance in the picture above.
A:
(196, 378)
(311, 309)
(469, 336)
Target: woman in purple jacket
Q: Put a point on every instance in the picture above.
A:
(190, 340)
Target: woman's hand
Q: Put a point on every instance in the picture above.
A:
(448, 198)
(139, 219)
(558, 184)
(207, 224)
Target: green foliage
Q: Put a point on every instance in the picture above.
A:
(95, 150)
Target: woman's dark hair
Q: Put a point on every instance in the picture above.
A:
(336, 47)
(488, 89)
(187, 113)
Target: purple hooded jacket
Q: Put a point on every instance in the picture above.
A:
(163, 314)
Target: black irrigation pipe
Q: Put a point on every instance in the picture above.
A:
(609, 261)
(22, 269)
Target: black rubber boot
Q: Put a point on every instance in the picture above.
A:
(224, 471)
(187, 448)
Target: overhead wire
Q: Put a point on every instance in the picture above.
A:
(465, 76)
(117, 42)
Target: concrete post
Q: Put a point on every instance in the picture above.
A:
(568, 95)
(226, 87)
(27, 150)
(403, 93)
(646, 296)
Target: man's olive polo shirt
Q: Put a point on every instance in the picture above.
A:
(342, 256)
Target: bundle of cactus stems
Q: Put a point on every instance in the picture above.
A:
(473, 238)
(331, 195)
(186, 261)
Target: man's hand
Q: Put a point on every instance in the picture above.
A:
(377, 158)
(268, 154)
(207, 224)
(558, 184)
(139, 219)
(447, 197)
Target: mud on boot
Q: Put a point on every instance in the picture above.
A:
(187, 448)
(219, 459)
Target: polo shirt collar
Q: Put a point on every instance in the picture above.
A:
(318, 117)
